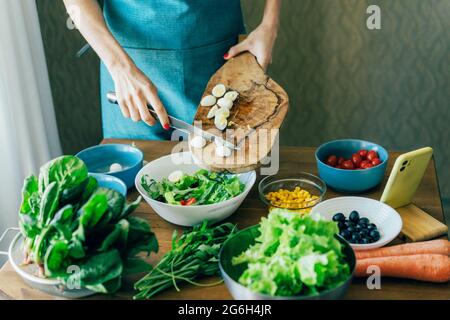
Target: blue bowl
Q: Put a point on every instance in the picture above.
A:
(99, 158)
(350, 181)
(110, 182)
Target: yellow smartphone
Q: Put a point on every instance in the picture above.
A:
(405, 177)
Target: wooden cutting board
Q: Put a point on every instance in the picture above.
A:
(255, 118)
(419, 225)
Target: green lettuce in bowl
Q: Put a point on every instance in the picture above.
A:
(294, 255)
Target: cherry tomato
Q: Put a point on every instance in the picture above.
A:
(363, 153)
(332, 160)
(369, 165)
(348, 164)
(363, 164)
(190, 201)
(376, 162)
(340, 160)
(372, 155)
(183, 202)
(356, 158)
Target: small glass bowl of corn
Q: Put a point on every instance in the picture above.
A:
(296, 192)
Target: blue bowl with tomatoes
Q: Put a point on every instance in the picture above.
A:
(351, 165)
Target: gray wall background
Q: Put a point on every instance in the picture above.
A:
(390, 86)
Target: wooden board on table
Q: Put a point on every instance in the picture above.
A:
(255, 118)
(419, 225)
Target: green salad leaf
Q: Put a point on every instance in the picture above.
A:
(294, 255)
(203, 187)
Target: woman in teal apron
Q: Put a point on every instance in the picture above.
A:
(162, 53)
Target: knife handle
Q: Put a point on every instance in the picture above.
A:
(112, 98)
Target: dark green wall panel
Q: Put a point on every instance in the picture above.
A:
(390, 86)
(74, 81)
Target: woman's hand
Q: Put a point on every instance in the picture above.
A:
(259, 42)
(134, 91)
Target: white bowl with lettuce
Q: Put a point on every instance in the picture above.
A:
(184, 194)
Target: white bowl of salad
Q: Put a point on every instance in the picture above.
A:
(182, 193)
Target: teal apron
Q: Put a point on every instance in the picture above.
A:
(178, 44)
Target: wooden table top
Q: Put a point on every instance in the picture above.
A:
(292, 160)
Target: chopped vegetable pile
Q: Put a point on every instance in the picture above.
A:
(203, 187)
(193, 255)
(78, 232)
(294, 255)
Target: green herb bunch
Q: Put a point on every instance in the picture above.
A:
(194, 255)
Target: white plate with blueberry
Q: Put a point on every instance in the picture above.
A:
(365, 223)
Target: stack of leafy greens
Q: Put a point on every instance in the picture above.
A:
(294, 255)
(194, 255)
(203, 187)
(68, 221)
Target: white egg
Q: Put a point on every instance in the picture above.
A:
(219, 90)
(175, 176)
(222, 151)
(223, 112)
(225, 103)
(220, 122)
(198, 142)
(212, 112)
(208, 101)
(232, 95)
(115, 167)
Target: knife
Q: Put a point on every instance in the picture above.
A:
(182, 126)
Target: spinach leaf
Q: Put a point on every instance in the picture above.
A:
(101, 268)
(130, 207)
(135, 265)
(76, 249)
(40, 244)
(115, 200)
(91, 213)
(55, 262)
(110, 286)
(66, 171)
(89, 190)
(49, 203)
(117, 237)
(140, 237)
(30, 188)
(73, 195)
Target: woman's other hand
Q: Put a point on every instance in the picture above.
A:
(260, 41)
(134, 92)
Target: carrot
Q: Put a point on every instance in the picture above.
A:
(424, 267)
(425, 247)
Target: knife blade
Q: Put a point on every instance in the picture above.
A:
(182, 125)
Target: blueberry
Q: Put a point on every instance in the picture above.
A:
(375, 235)
(339, 217)
(371, 226)
(355, 237)
(354, 216)
(366, 240)
(345, 234)
(349, 224)
(341, 225)
(358, 228)
(363, 233)
(363, 221)
(351, 229)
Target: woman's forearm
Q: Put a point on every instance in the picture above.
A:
(272, 13)
(87, 16)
